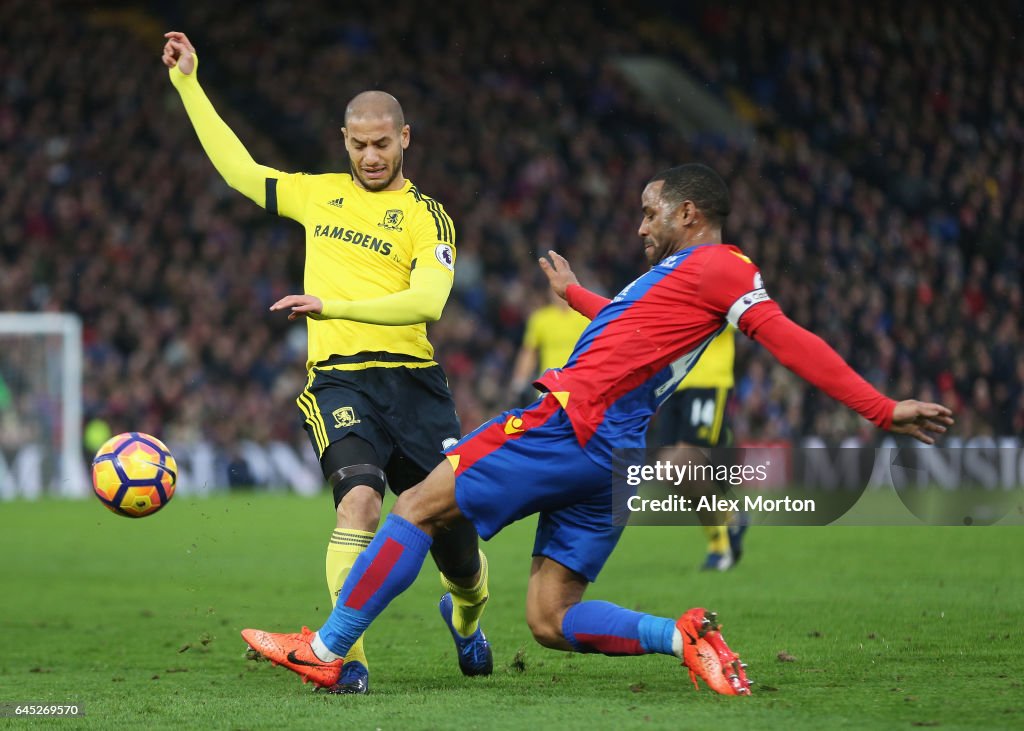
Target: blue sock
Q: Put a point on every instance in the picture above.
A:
(385, 569)
(656, 634)
(611, 630)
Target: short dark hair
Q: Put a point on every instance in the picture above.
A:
(375, 104)
(697, 183)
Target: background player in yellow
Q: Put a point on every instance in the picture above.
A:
(695, 416)
(379, 265)
(551, 334)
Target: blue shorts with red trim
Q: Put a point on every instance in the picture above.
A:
(528, 461)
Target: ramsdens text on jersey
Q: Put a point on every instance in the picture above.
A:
(354, 237)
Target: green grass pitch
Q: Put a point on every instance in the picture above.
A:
(843, 627)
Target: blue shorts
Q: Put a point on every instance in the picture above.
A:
(528, 461)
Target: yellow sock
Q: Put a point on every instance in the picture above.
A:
(718, 538)
(342, 551)
(468, 604)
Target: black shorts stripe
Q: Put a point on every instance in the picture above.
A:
(309, 408)
(318, 420)
(272, 195)
(312, 424)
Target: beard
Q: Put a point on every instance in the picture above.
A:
(654, 254)
(382, 183)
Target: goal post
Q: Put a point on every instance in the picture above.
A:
(41, 405)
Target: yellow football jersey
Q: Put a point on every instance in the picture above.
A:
(360, 245)
(363, 245)
(553, 331)
(714, 368)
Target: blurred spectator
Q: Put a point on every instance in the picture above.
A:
(882, 199)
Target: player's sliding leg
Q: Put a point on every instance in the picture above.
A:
(464, 578)
(560, 619)
(694, 638)
(387, 567)
(384, 570)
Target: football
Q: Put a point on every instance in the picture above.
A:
(134, 474)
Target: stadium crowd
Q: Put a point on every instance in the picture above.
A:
(882, 198)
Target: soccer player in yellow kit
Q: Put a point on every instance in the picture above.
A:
(380, 262)
(551, 334)
(695, 417)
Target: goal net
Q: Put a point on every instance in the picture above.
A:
(41, 406)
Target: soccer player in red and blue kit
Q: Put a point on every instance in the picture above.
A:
(554, 458)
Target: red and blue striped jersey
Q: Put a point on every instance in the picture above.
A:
(641, 344)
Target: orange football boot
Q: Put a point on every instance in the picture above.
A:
(706, 654)
(293, 651)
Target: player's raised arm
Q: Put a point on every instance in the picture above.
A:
(564, 283)
(222, 146)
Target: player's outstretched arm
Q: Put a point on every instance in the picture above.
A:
(299, 305)
(811, 358)
(920, 419)
(222, 146)
(423, 301)
(564, 283)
